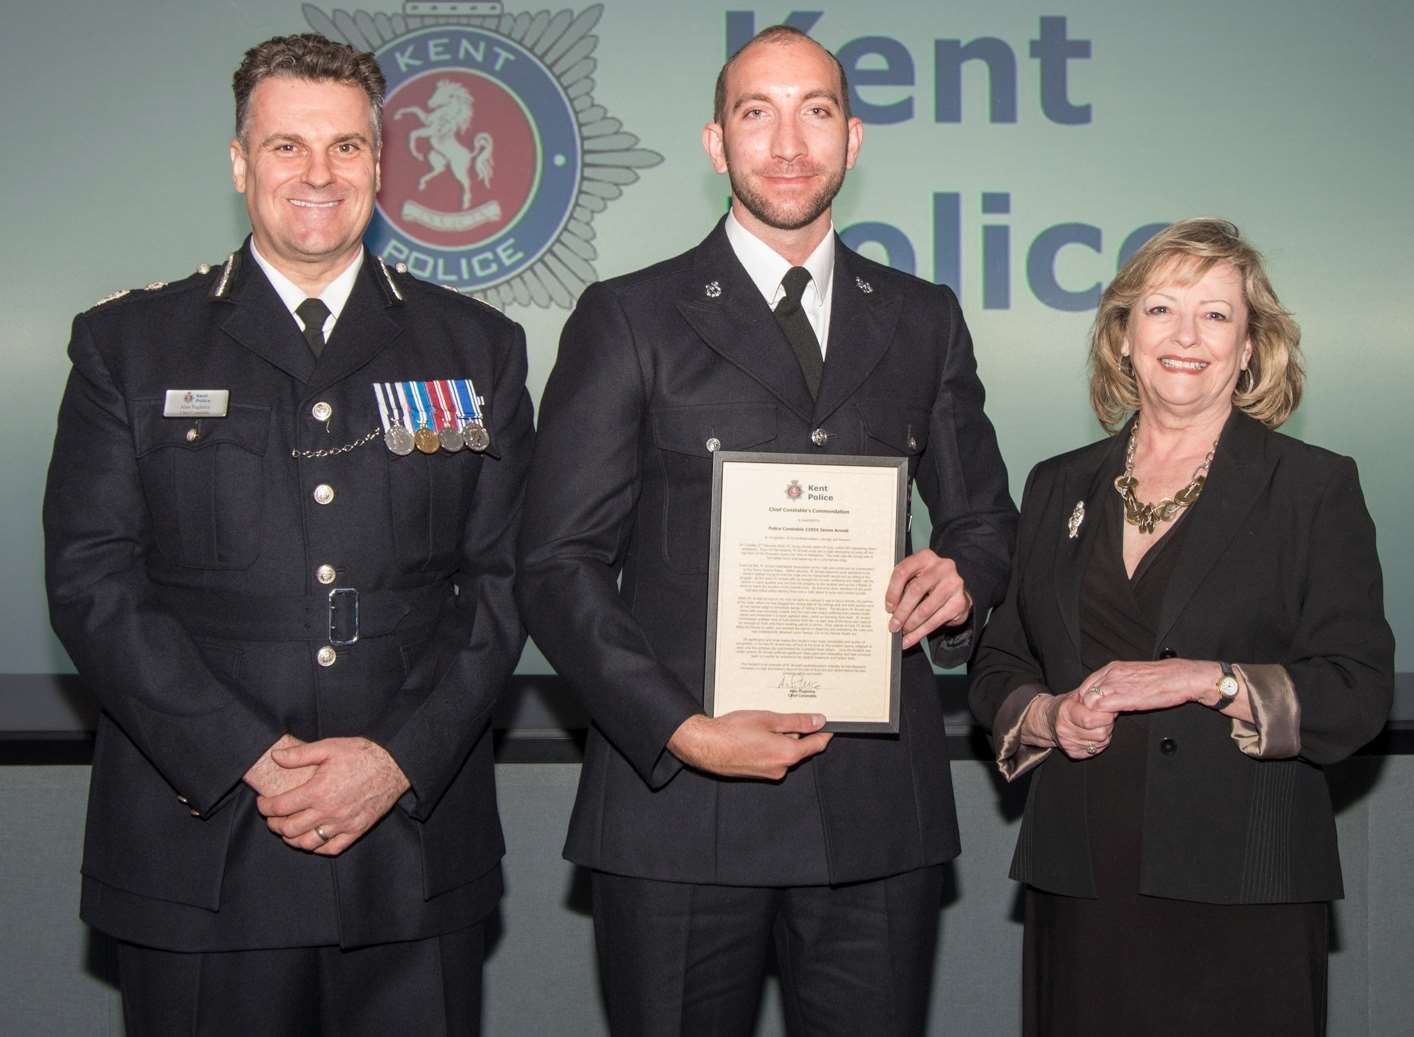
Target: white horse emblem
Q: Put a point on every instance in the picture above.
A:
(448, 116)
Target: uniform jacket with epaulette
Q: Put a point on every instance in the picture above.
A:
(184, 565)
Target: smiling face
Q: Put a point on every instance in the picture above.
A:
(1187, 339)
(783, 139)
(309, 171)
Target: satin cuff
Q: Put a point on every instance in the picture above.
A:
(1274, 732)
(1013, 757)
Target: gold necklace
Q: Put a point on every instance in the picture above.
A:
(1147, 516)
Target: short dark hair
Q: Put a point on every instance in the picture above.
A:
(314, 57)
(774, 34)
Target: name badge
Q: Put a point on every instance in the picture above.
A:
(196, 403)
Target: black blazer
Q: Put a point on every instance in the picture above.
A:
(180, 554)
(615, 553)
(1278, 565)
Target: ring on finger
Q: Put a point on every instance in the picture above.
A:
(324, 836)
(1091, 748)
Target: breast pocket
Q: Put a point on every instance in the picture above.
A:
(429, 495)
(687, 437)
(204, 483)
(894, 431)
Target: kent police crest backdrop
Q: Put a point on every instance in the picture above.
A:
(1016, 151)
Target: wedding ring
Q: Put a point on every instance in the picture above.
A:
(1090, 749)
(319, 831)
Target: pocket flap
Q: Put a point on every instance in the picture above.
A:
(905, 429)
(734, 426)
(245, 425)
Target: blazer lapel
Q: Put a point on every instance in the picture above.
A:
(1238, 476)
(364, 328)
(862, 323)
(1086, 484)
(724, 307)
(259, 321)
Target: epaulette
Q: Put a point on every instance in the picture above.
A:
(151, 286)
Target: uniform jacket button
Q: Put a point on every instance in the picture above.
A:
(323, 493)
(1168, 746)
(326, 656)
(713, 445)
(819, 437)
(321, 411)
(1168, 653)
(325, 574)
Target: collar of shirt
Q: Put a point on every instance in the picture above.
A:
(766, 268)
(335, 293)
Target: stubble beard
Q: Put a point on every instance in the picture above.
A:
(782, 217)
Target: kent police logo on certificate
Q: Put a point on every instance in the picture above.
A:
(495, 156)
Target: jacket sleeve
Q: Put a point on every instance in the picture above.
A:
(1006, 676)
(1342, 657)
(437, 718)
(201, 734)
(963, 481)
(580, 501)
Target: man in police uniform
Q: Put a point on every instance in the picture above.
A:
(295, 623)
(712, 838)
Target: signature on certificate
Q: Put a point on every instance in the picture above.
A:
(797, 683)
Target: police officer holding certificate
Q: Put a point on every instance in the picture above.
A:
(280, 532)
(712, 838)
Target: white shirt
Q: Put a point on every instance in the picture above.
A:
(767, 268)
(335, 293)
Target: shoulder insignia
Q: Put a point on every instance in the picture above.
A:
(111, 296)
(388, 279)
(223, 282)
(152, 286)
(204, 269)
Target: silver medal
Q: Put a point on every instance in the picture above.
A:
(451, 440)
(476, 436)
(399, 440)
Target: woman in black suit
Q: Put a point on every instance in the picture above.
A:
(1194, 627)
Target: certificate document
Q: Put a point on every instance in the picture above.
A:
(802, 550)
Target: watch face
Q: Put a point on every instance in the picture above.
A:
(1227, 687)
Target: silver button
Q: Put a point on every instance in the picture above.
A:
(325, 574)
(321, 411)
(326, 656)
(912, 441)
(819, 437)
(183, 800)
(193, 434)
(323, 493)
(713, 445)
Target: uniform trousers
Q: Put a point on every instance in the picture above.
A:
(431, 988)
(688, 960)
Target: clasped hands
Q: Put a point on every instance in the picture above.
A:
(1081, 722)
(925, 592)
(322, 796)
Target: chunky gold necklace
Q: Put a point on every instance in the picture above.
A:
(1147, 516)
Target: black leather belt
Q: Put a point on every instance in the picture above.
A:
(338, 617)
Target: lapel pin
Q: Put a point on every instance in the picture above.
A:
(864, 286)
(1077, 516)
(714, 289)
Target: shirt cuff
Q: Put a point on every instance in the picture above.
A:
(1274, 733)
(1013, 757)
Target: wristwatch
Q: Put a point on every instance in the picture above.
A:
(1227, 688)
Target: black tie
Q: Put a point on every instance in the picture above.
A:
(796, 325)
(314, 313)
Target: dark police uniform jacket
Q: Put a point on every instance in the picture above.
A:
(184, 571)
(655, 371)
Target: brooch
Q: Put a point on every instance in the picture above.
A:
(864, 286)
(1077, 516)
(714, 289)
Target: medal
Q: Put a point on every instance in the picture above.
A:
(425, 439)
(448, 431)
(473, 431)
(396, 437)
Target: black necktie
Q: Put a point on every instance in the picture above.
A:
(796, 325)
(314, 313)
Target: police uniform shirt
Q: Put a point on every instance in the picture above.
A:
(334, 295)
(767, 268)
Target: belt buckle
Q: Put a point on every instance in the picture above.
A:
(343, 603)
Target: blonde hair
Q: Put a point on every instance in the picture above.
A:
(1273, 388)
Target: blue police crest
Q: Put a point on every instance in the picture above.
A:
(495, 156)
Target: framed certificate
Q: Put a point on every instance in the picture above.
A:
(802, 550)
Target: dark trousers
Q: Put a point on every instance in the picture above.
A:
(430, 988)
(683, 960)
